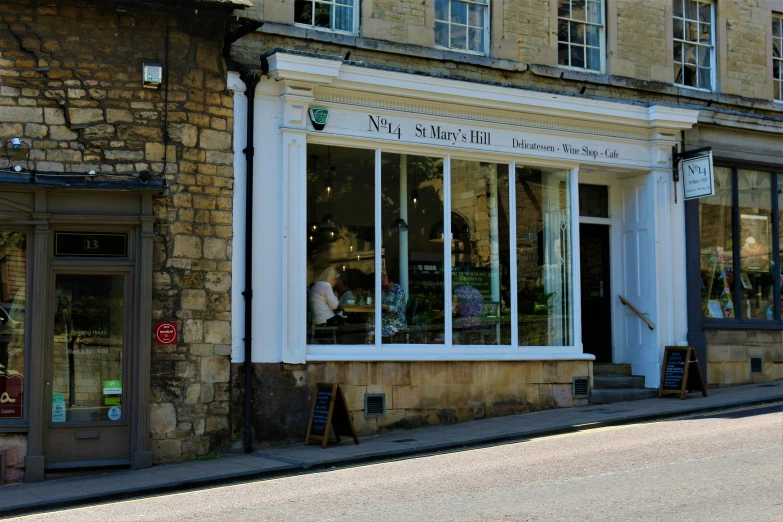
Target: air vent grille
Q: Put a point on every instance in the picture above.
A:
(756, 365)
(374, 405)
(581, 387)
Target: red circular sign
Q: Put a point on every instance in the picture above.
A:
(166, 333)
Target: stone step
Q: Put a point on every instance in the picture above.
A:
(621, 395)
(604, 382)
(611, 369)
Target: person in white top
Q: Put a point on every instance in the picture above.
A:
(323, 302)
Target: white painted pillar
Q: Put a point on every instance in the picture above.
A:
(238, 88)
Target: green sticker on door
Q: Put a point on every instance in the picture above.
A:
(58, 407)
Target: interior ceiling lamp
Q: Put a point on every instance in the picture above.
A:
(399, 225)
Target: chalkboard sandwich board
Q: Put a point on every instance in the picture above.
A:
(329, 411)
(680, 372)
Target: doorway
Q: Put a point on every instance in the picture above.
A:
(596, 291)
(87, 385)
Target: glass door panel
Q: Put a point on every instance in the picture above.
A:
(87, 364)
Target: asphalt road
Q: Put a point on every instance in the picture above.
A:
(725, 466)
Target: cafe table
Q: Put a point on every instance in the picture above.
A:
(359, 308)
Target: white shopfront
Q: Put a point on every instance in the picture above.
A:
(390, 139)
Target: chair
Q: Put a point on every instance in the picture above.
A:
(320, 332)
(490, 317)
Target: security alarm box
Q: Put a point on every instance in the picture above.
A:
(152, 75)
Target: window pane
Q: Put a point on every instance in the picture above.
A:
(13, 292)
(303, 11)
(562, 54)
(594, 12)
(480, 281)
(678, 52)
(776, 48)
(779, 90)
(343, 18)
(458, 37)
(476, 42)
(442, 34)
(704, 57)
(690, 54)
(692, 31)
(88, 340)
(678, 29)
(562, 31)
(477, 16)
(441, 10)
(340, 244)
(543, 238)
(705, 79)
(322, 14)
(577, 56)
(690, 76)
(755, 205)
(705, 33)
(413, 257)
(578, 9)
(459, 12)
(780, 239)
(593, 200)
(593, 59)
(678, 8)
(705, 12)
(776, 29)
(678, 73)
(564, 8)
(593, 33)
(577, 33)
(716, 247)
(691, 9)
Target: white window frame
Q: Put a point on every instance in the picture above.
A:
(777, 18)
(355, 21)
(602, 39)
(379, 351)
(487, 14)
(712, 47)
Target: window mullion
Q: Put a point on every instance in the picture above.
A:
(776, 272)
(378, 248)
(512, 223)
(735, 239)
(447, 311)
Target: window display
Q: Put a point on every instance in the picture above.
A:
(13, 291)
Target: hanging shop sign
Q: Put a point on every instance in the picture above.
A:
(86, 244)
(695, 168)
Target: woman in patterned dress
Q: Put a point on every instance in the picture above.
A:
(392, 309)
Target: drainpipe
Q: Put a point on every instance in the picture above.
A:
(251, 81)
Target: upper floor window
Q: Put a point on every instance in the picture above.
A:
(336, 15)
(777, 56)
(462, 25)
(580, 34)
(694, 44)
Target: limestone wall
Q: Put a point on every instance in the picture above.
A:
(70, 87)
(417, 393)
(729, 353)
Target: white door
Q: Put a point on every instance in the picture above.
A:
(636, 342)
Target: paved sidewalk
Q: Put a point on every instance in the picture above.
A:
(24, 498)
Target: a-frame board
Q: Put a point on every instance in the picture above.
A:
(680, 373)
(329, 411)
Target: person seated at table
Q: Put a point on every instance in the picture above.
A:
(341, 289)
(468, 303)
(322, 300)
(392, 309)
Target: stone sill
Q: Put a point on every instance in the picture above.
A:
(417, 51)
(735, 324)
(14, 429)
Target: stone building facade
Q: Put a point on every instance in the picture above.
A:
(523, 53)
(71, 90)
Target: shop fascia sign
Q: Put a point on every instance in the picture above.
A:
(695, 169)
(500, 138)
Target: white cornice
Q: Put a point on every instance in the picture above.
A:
(356, 81)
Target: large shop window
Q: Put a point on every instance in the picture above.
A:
(740, 237)
(463, 246)
(13, 291)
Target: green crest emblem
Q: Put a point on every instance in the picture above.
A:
(319, 116)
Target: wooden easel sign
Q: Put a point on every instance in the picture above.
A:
(680, 372)
(329, 411)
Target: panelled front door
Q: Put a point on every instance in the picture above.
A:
(87, 388)
(596, 293)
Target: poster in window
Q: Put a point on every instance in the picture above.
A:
(754, 242)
